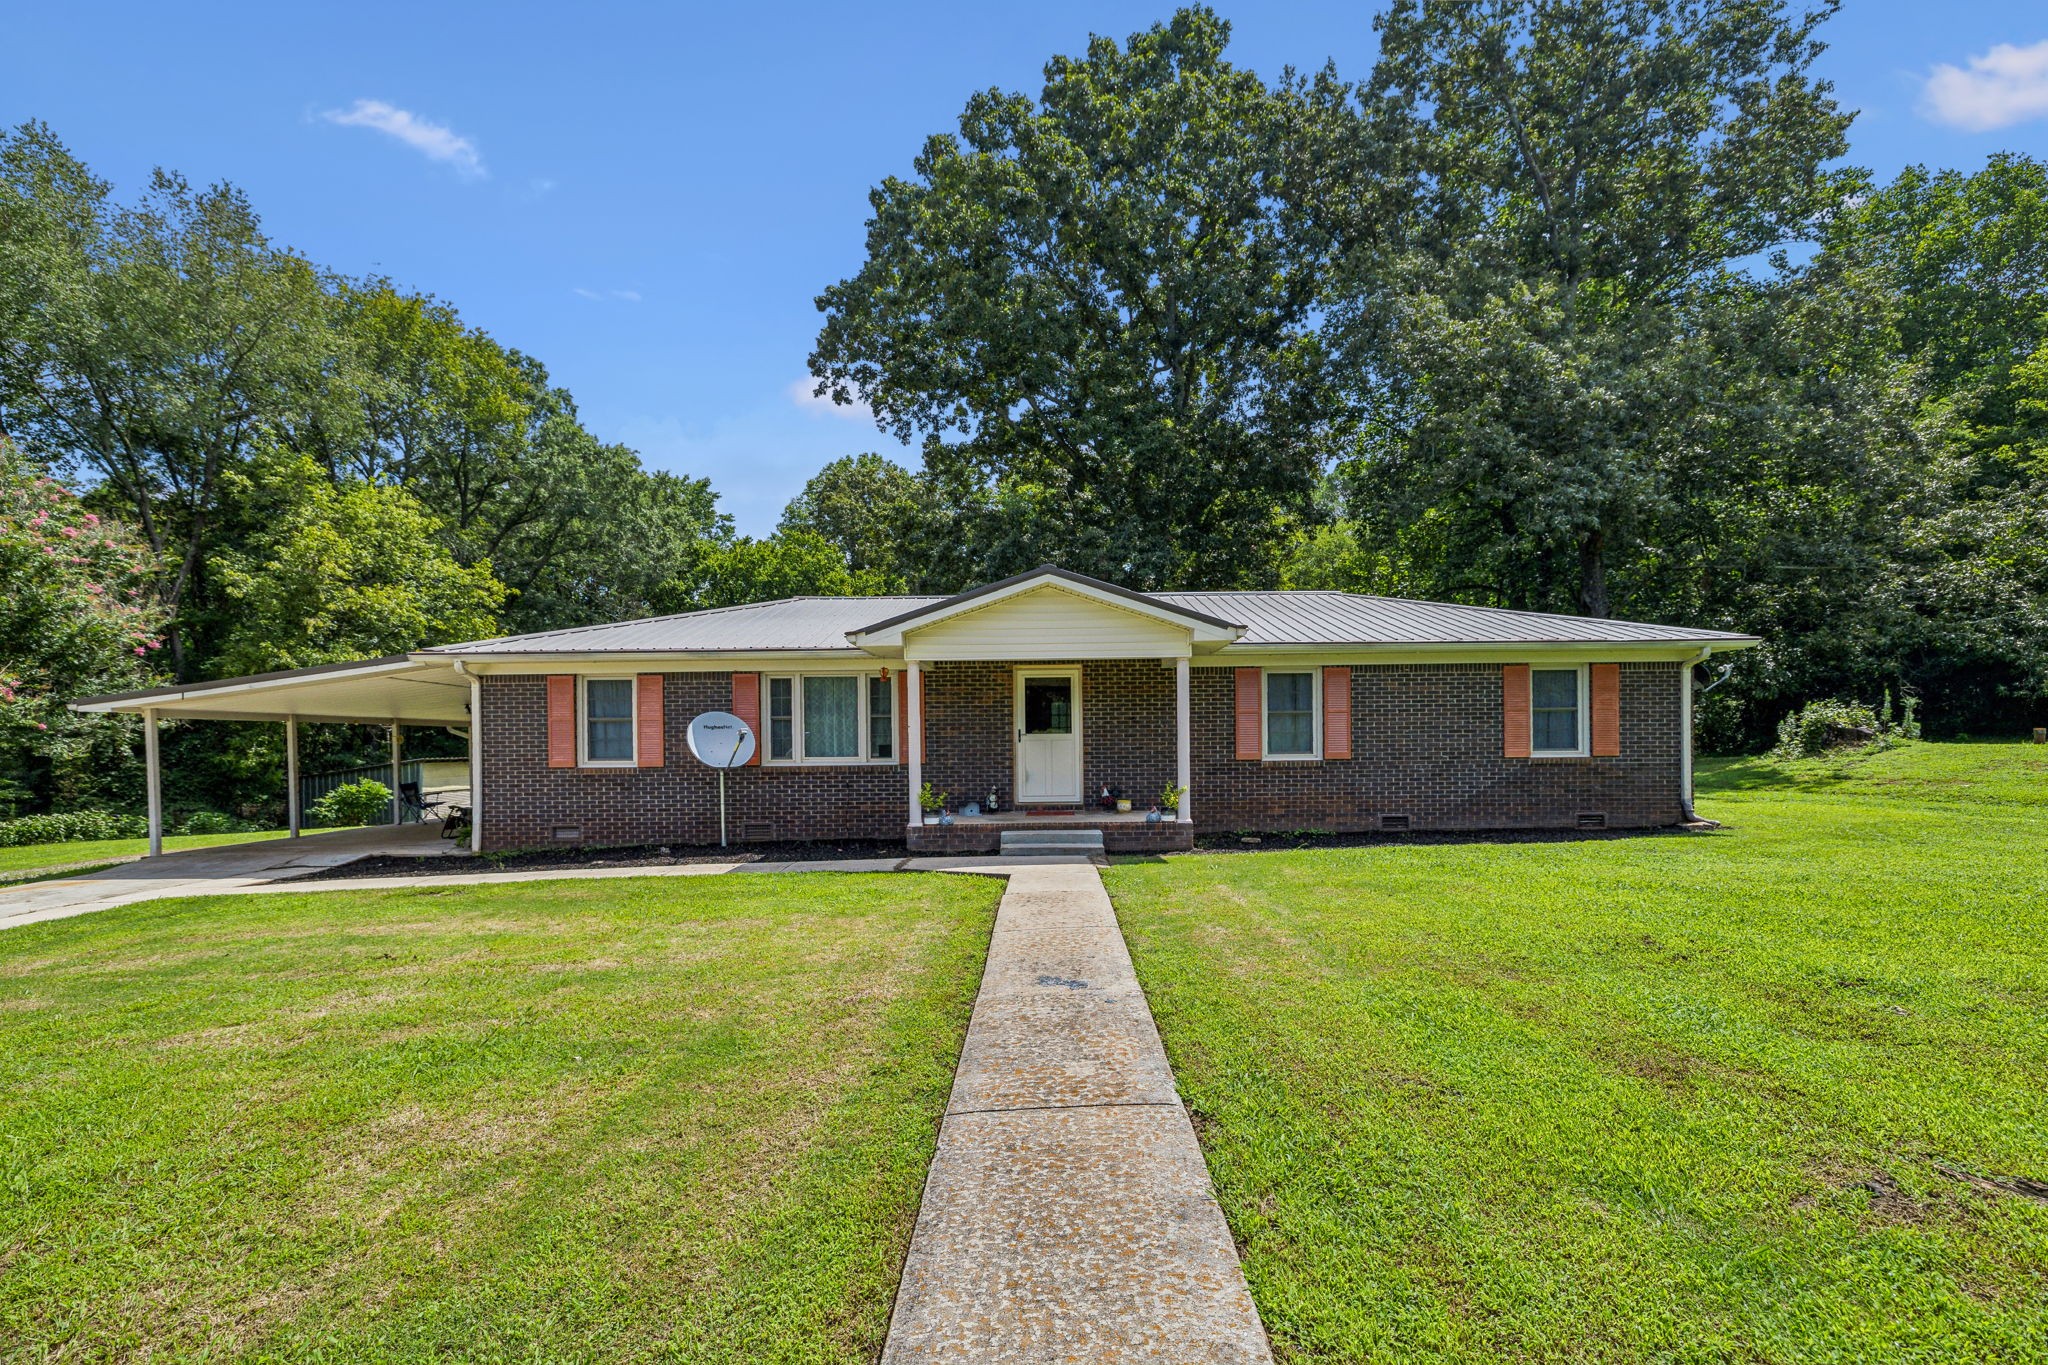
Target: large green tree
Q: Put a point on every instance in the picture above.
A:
(1583, 172)
(576, 528)
(154, 346)
(77, 616)
(336, 571)
(1098, 310)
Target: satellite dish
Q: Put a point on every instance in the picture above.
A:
(721, 740)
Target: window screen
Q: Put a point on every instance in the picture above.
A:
(1554, 710)
(608, 720)
(781, 718)
(881, 718)
(1290, 713)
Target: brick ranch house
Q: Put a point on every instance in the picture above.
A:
(1274, 710)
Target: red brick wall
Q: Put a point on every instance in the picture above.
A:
(1426, 743)
(525, 801)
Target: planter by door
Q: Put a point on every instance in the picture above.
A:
(1049, 734)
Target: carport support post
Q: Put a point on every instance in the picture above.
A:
(397, 811)
(291, 774)
(1182, 767)
(153, 776)
(476, 763)
(913, 743)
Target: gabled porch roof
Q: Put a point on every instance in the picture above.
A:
(1202, 630)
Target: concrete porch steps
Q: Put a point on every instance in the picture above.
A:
(1027, 843)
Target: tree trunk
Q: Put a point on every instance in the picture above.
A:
(1593, 575)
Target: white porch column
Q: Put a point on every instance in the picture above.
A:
(476, 764)
(397, 811)
(153, 777)
(913, 743)
(1685, 740)
(1182, 730)
(291, 774)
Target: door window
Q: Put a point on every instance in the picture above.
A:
(1048, 706)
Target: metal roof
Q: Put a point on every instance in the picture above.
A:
(1317, 617)
(1270, 619)
(794, 623)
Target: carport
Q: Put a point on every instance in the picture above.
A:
(393, 692)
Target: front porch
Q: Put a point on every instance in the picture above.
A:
(1121, 832)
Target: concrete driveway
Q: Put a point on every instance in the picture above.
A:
(203, 871)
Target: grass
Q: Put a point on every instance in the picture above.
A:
(676, 1119)
(107, 852)
(1743, 1096)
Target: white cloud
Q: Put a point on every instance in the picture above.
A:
(609, 295)
(435, 141)
(803, 393)
(2004, 86)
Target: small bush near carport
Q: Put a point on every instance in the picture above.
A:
(353, 803)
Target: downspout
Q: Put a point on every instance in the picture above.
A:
(1685, 732)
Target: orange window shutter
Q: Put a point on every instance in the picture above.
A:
(1606, 710)
(648, 711)
(903, 716)
(561, 720)
(1248, 743)
(746, 704)
(1514, 710)
(1336, 713)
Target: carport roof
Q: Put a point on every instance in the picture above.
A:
(397, 690)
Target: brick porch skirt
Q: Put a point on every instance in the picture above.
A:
(985, 836)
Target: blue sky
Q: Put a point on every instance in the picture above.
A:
(648, 198)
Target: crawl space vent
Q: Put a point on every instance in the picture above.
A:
(757, 831)
(1394, 822)
(1592, 819)
(568, 834)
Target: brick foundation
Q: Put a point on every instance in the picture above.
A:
(1117, 837)
(1426, 744)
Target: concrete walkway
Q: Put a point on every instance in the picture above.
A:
(207, 871)
(1068, 1215)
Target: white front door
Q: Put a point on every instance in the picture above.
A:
(1048, 735)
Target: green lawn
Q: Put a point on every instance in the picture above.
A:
(684, 1119)
(1698, 1098)
(28, 858)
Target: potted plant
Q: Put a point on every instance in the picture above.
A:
(1170, 798)
(932, 801)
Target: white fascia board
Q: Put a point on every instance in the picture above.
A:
(1198, 629)
(694, 661)
(1611, 651)
(171, 696)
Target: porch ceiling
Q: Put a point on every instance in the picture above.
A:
(399, 690)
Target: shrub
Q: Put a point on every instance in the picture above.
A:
(215, 822)
(353, 803)
(1819, 726)
(70, 826)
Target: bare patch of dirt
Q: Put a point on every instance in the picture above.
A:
(2016, 1186)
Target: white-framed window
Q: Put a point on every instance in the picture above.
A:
(830, 718)
(608, 732)
(1293, 719)
(1558, 709)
